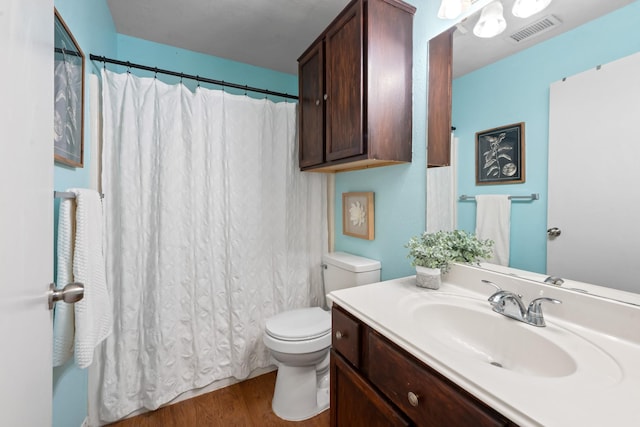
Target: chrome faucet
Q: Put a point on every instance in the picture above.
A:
(510, 304)
(554, 280)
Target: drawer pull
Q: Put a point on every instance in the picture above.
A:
(340, 335)
(413, 398)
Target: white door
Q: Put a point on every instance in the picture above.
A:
(594, 178)
(26, 211)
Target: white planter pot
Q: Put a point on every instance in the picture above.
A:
(428, 277)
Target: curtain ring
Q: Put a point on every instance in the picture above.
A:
(198, 80)
(128, 67)
(155, 73)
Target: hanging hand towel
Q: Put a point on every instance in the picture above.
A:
(63, 314)
(493, 221)
(93, 314)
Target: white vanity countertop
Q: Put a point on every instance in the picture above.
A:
(605, 392)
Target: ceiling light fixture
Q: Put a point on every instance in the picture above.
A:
(450, 9)
(491, 22)
(527, 8)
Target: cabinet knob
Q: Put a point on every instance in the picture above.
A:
(340, 335)
(413, 398)
(317, 102)
(554, 232)
(326, 96)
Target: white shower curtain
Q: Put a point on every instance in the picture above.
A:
(210, 229)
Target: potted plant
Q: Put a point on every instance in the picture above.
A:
(433, 253)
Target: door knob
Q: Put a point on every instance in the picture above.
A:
(72, 292)
(554, 232)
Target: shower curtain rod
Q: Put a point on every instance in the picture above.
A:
(190, 76)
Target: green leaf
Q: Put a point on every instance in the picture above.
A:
(438, 250)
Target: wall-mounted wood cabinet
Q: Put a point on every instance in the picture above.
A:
(376, 383)
(355, 88)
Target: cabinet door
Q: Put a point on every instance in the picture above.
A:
(311, 91)
(343, 74)
(439, 108)
(355, 403)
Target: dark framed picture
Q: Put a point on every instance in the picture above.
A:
(68, 87)
(357, 215)
(500, 155)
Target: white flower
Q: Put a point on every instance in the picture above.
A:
(357, 214)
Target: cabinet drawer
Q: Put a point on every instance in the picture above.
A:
(438, 402)
(346, 336)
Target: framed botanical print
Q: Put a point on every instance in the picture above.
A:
(500, 155)
(68, 78)
(357, 215)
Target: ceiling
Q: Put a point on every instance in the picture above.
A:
(266, 33)
(274, 33)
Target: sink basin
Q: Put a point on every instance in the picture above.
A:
(488, 337)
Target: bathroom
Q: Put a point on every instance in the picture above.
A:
(399, 190)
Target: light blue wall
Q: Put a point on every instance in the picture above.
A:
(90, 23)
(400, 189)
(516, 89)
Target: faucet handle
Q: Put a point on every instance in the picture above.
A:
(534, 312)
(495, 298)
(487, 282)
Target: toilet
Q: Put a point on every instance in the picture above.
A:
(300, 339)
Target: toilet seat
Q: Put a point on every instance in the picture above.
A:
(299, 324)
(299, 331)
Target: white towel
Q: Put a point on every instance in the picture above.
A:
(493, 221)
(93, 314)
(63, 314)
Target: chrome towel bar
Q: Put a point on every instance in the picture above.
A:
(532, 196)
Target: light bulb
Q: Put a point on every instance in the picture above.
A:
(526, 8)
(450, 9)
(491, 22)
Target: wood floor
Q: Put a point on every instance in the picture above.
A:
(247, 403)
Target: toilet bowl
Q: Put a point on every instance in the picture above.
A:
(300, 339)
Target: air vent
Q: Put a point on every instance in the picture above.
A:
(534, 29)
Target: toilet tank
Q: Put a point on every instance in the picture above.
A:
(345, 270)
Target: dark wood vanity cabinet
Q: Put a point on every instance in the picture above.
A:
(355, 88)
(384, 385)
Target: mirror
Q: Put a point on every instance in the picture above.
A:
(498, 101)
